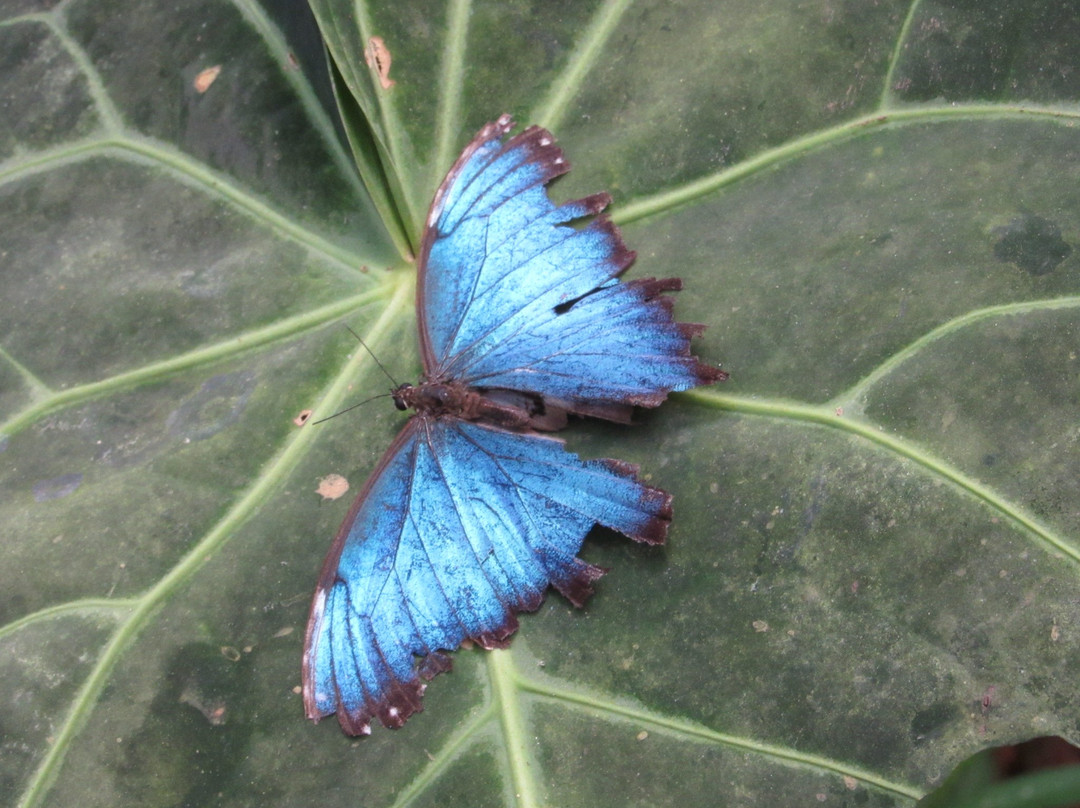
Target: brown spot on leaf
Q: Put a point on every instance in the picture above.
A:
(377, 56)
(206, 78)
(332, 486)
(302, 417)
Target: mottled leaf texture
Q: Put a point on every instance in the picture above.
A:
(872, 571)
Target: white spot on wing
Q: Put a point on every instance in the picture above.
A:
(318, 605)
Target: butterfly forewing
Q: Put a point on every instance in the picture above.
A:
(512, 295)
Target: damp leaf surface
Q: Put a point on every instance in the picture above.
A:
(872, 572)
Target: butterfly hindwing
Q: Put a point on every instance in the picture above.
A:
(460, 527)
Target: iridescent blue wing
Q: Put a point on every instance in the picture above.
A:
(460, 526)
(513, 295)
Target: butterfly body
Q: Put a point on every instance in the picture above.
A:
(473, 513)
(455, 400)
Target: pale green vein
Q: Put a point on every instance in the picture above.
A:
(689, 730)
(117, 135)
(398, 163)
(826, 416)
(44, 17)
(339, 41)
(462, 740)
(851, 399)
(83, 606)
(37, 389)
(355, 93)
(902, 40)
(505, 681)
(22, 19)
(228, 348)
(676, 197)
(147, 605)
(27, 164)
(222, 185)
(551, 111)
(110, 115)
(448, 115)
(254, 14)
(191, 173)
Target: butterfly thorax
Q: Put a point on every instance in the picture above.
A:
(456, 400)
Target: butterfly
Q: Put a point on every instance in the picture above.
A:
(473, 512)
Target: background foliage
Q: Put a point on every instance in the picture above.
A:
(873, 568)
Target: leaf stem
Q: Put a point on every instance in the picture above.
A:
(588, 51)
(826, 416)
(51, 401)
(851, 398)
(506, 682)
(690, 730)
(665, 201)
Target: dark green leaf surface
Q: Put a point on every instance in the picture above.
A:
(874, 564)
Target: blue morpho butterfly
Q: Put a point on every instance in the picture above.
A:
(471, 514)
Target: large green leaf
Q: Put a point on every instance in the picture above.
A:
(873, 568)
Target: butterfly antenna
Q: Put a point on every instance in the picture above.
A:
(352, 407)
(382, 367)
